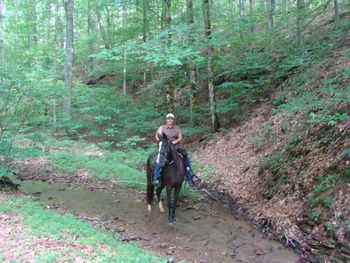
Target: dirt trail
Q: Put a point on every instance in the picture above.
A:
(203, 232)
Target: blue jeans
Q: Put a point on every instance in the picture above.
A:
(187, 163)
(156, 171)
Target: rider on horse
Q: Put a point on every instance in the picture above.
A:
(173, 132)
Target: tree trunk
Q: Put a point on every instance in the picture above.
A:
(169, 86)
(58, 29)
(193, 68)
(241, 7)
(284, 6)
(102, 30)
(251, 13)
(2, 29)
(336, 11)
(59, 46)
(68, 66)
(210, 72)
(34, 32)
(271, 6)
(144, 35)
(124, 54)
(124, 72)
(300, 20)
(90, 31)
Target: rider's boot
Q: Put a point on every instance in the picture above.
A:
(156, 174)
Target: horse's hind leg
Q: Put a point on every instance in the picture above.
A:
(159, 191)
(150, 195)
(176, 197)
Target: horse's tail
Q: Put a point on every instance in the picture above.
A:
(150, 186)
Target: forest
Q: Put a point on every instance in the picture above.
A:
(260, 89)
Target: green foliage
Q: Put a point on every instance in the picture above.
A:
(325, 183)
(327, 202)
(315, 215)
(273, 174)
(319, 104)
(122, 166)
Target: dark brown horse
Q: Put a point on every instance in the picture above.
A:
(173, 173)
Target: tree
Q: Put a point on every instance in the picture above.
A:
(169, 86)
(68, 66)
(210, 71)
(2, 27)
(300, 19)
(336, 11)
(192, 70)
(271, 6)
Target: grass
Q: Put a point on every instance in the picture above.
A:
(124, 165)
(120, 165)
(45, 223)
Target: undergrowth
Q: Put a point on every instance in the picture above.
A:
(66, 228)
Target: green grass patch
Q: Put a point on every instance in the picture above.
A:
(120, 165)
(45, 223)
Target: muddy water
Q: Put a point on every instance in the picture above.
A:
(202, 233)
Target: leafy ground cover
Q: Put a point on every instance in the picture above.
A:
(31, 233)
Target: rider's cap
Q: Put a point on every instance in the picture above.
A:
(170, 115)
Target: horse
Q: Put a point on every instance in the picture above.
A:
(173, 174)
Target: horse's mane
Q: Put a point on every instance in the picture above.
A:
(173, 151)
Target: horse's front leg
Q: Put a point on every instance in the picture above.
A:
(176, 197)
(170, 204)
(159, 191)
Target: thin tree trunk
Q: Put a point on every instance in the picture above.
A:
(59, 41)
(2, 29)
(68, 66)
(271, 6)
(124, 72)
(193, 69)
(91, 44)
(144, 35)
(336, 11)
(251, 13)
(241, 7)
(169, 86)
(284, 6)
(210, 72)
(300, 20)
(48, 32)
(34, 32)
(102, 30)
(124, 55)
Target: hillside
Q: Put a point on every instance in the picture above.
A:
(288, 172)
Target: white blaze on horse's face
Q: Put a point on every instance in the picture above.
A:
(160, 147)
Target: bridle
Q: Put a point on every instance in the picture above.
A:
(162, 152)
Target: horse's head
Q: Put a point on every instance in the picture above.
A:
(164, 150)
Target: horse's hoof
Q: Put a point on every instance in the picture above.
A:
(171, 223)
(161, 208)
(149, 209)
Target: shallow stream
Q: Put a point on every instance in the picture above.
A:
(202, 233)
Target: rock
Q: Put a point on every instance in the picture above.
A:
(204, 242)
(121, 229)
(224, 253)
(163, 245)
(196, 217)
(259, 252)
(211, 248)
